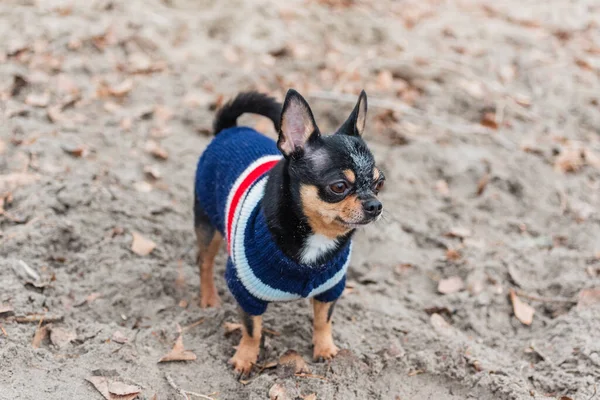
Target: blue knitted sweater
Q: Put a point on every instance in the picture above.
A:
(230, 182)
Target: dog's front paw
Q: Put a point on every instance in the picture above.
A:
(243, 360)
(325, 351)
(209, 298)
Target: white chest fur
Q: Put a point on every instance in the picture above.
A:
(316, 245)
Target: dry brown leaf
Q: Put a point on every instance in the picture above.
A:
(60, 337)
(156, 150)
(122, 89)
(311, 396)
(114, 390)
(278, 392)
(588, 298)
(292, 358)
(569, 160)
(19, 82)
(453, 255)
(140, 245)
(118, 337)
(143, 187)
(451, 285)
(482, 184)
(40, 334)
(6, 310)
(75, 150)
(458, 232)
(231, 327)
(178, 353)
(523, 311)
(152, 171)
(489, 120)
(38, 99)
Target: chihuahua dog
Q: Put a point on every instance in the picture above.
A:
(287, 209)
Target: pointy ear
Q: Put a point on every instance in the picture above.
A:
(355, 124)
(297, 126)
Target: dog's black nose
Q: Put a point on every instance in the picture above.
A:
(372, 207)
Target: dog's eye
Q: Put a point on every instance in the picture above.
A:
(378, 186)
(338, 187)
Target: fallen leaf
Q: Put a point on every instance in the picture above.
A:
(489, 120)
(292, 358)
(19, 82)
(122, 89)
(6, 310)
(311, 396)
(440, 324)
(60, 337)
(453, 255)
(143, 187)
(118, 337)
(178, 353)
(152, 171)
(458, 232)
(588, 298)
(523, 311)
(231, 327)
(114, 390)
(75, 150)
(482, 184)
(140, 245)
(38, 99)
(569, 160)
(451, 285)
(156, 150)
(40, 334)
(278, 392)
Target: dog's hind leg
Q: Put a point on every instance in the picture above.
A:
(209, 241)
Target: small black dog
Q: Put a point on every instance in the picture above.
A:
(287, 210)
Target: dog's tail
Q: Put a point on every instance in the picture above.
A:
(247, 102)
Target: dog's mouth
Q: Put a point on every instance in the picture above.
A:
(354, 224)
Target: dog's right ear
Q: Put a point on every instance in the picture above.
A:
(297, 126)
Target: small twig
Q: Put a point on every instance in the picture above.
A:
(193, 324)
(29, 271)
(174, 386)
(594, 394)
(303, 375)
(37, 318)
(3, 330)
(545, 299)
(185, 393)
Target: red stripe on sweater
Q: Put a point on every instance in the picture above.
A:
(252, 177)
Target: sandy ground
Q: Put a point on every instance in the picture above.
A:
(484, 117)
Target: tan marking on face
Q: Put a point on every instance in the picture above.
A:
(349, 174)
(376, 174)
(322, 216)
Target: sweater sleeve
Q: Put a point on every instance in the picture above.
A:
(334, 293)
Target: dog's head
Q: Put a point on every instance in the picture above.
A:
(333, 177)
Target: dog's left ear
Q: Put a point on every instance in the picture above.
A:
(355, 124)
(298, 125)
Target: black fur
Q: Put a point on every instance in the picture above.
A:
(330, 311)
(248, 322)
(247, 102)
